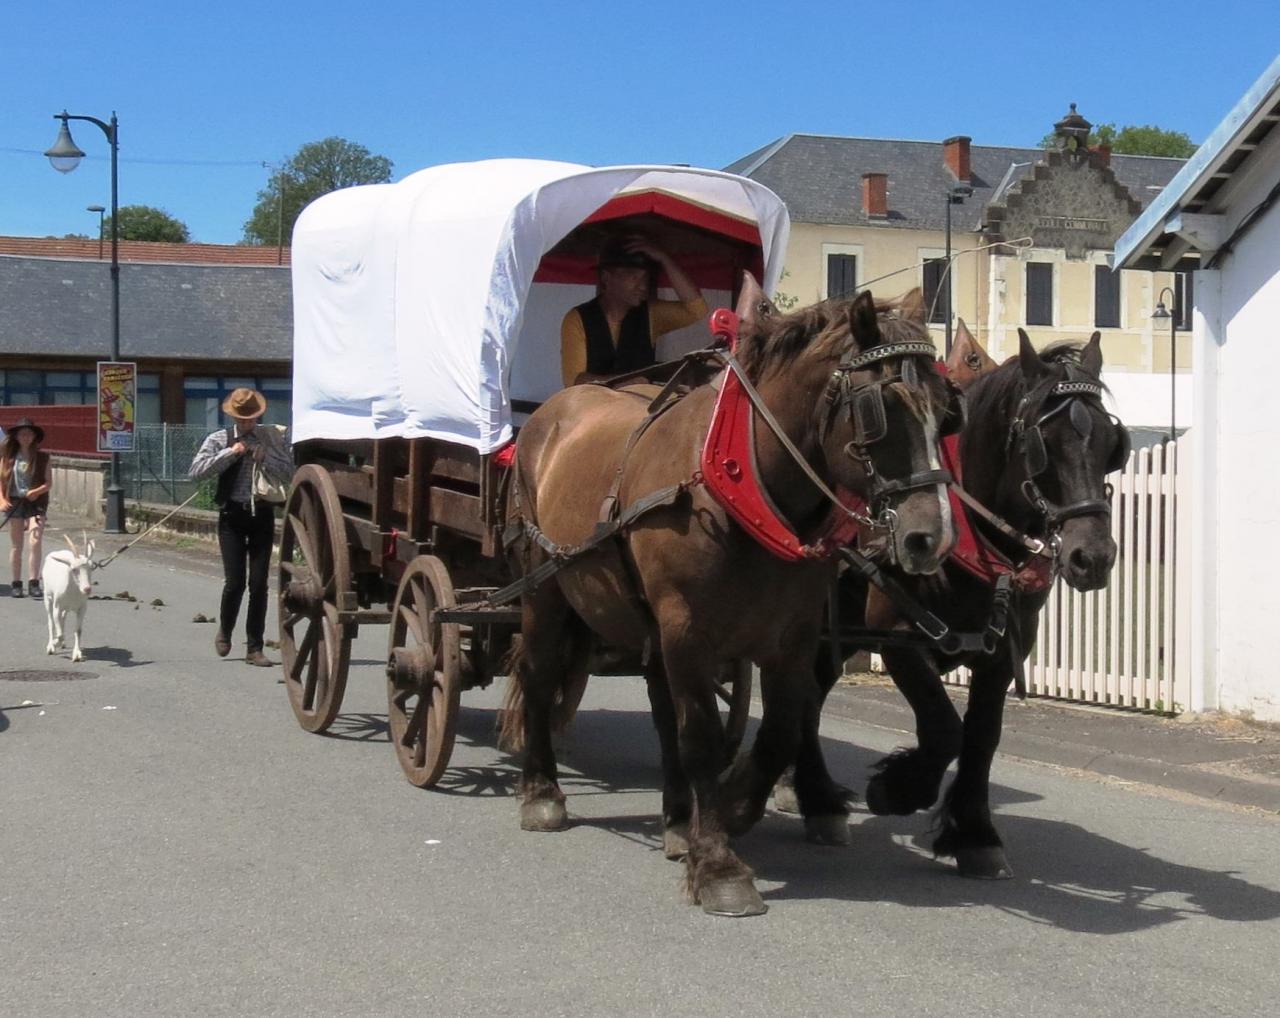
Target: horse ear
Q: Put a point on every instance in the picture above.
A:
(967, 359)
(753, 306)
(911, 307)
(863, 323)
(1032, 366)
(1091, 355)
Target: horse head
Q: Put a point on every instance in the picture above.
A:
(1064, 444)
(857, 381)
(968, 360)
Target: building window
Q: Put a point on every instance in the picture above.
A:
(934, 268)
(1183, 300)
(204, 397)
(1106, 298)
(842, 276)
(1039, 293)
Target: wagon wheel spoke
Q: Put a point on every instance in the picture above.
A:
(724, 692)
(292, 619)
(292, 568)
(413, 730)
(304, 543)
(319, 555)
(309, 640)
(309, 687)
(412, 621)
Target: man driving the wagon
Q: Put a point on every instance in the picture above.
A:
(615, 331)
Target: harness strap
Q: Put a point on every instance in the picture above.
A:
(1032, 544)
(759, 406)
(561, 556)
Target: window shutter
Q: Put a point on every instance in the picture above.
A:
(1039, 293)
(842, 275)
(1106, 298)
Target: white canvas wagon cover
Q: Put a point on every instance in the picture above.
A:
(408, 298)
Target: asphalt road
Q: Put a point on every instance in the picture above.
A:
(171, 843)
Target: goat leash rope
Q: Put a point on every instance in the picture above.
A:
(116, 554)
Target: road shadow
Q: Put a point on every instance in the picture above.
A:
(1065, 876)
(118, 656)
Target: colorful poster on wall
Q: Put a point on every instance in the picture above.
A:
(117, 402)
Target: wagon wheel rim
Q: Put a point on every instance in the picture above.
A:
(424, 672)
(315, 570)
(733, 690)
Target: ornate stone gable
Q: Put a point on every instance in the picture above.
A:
(1070, 200)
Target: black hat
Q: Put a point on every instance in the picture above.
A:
(26, 422)
(616, 256)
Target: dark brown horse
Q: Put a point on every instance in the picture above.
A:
(686, 587)
(1036, 451)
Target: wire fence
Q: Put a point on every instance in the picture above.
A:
(156, 471)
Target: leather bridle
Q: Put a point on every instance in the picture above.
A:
(863, 402)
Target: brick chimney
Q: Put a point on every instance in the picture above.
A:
(955, 153)
(1101, 155)
(875, 194)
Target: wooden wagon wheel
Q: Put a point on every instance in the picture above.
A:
(424, 672)
(315, 571)
(734, 691)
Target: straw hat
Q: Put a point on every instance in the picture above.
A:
(245, 404)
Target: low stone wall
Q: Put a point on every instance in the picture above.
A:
(201, 524)
(78, 486)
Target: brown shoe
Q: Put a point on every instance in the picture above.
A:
(222, 644)
(258, 659)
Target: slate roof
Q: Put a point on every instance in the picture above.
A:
(820, 178)
(61, 307)
(145, 251)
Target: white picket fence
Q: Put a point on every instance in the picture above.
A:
(1126, 645)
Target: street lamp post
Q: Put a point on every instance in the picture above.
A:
(955, 195)
(100, 210)
(64, 156)
(1159, 314)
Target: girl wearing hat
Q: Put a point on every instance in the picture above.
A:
(246, 526)
(24, 500)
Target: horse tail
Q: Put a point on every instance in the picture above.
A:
(511, 717)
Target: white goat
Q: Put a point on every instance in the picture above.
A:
(67, 586)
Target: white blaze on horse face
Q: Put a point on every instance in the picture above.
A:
(931, 439)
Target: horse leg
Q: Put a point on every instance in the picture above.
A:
(909, 779)
(539, 673)
(716, 878)
(807, 788)
(677, 801)
(790, 696)
(965, 828)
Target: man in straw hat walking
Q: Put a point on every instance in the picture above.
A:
(246, 525)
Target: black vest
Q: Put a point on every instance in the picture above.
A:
(222, 493)
(635, 347)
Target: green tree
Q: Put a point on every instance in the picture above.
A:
(142, 222)
(315, 169)
(1134, 140)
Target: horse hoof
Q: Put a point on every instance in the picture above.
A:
(735, 897)
(832, 829)
(985, 863)
(543, 815)
(785, 799)
(675, 842)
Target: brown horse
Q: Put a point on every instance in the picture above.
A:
(687, 587)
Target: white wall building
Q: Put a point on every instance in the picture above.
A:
(1221, 215)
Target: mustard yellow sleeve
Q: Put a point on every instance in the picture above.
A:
(573, 347)
(668, 315)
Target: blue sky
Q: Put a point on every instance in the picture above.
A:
(206, 92)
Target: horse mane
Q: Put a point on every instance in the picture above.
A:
(821, 329)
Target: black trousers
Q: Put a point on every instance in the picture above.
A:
(245, 538)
